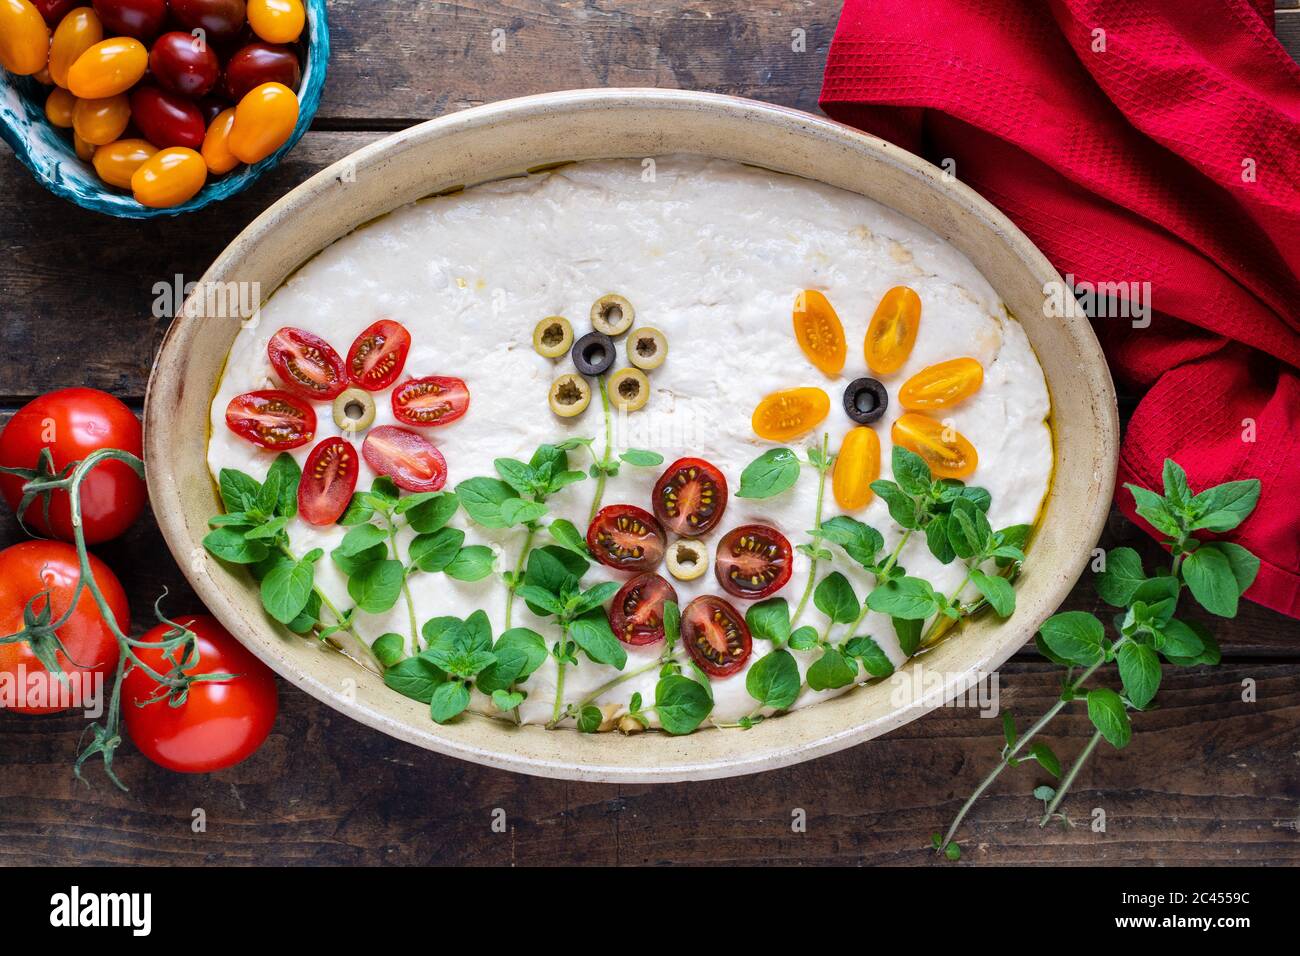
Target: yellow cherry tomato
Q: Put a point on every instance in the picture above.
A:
(944, 449)
(107, 68)
(42, 76)
(276, 21)
(819, 331)
(169, 177)
(117, 162)
(216, 144)
(101, 121)
(264, 121)
(24, 37)
(76, 33)
(59, 106)
(85, 151)
(942, 385)
(856, 467)
(892, 331)
(789, 413)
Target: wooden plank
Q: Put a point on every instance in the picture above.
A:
(1287, 27)
(1201, 783)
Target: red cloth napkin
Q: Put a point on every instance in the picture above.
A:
(1164, 149)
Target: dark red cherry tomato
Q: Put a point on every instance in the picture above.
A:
(407, 458)
(716, 636)
(690, 496)
(637, 614)
(184, 64)
(627, 538)
(54, 10)
(260, 63)
(378, 354)
(753, 561)
(435, 400)
(329, 477)
(141, 19)
(306, 364)
(271, 418)
(211, 108)
(221, 19)
(220, 722)
(166, 118)
(70, 424)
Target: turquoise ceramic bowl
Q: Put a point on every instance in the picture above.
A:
(48, 153)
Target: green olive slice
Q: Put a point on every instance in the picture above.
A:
(553, 336)
(647, 347)
(612, 314)
(354, 410)
(570, 395)
(629, 389)
(687, 559)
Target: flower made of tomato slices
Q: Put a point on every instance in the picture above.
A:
(789, 413)
(311, 371)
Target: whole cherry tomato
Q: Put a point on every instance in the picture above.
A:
(220, 722)
(220, 19)
(169, 177)
(216, 144)
(24, 38)
(85, 151)
(54, 10)
(75, 34)
(264, 121)
(109, 67)
(211, 107)
(72, 423)
(251, 66)
(166, 118)
(184, 64)
(60, 107)
(101, 121)
(277, 21)
(33, 567)
(117, 162)
(141, 19)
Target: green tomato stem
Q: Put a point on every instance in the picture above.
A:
(1068, 780)
(519, 569)
(604, 461)
(406, 588)
(816, 532)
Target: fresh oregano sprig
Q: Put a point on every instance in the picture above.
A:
(1216, 573)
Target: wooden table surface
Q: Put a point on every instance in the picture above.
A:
(1208, 779)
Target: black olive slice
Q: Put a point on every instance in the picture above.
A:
(593, 354)
(865, 400)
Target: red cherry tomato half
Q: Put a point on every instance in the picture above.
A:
(271, 418)
(329, 477)
(306, 364)
(407, 458)
(716, 636)
(753, 561)
(54, 10)
(221, 19)
(141, 19)
(219, 723)
(251, 66)
(627, 538)
(378, 354)
(166, 118)
(26, 571)
(435, 400)
(184, 64)
(690, 496)
(71, 423)
(637, 614)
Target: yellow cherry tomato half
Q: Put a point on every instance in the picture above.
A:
(277, 21)
(169, 177)
(856, 467)
(789, 413)
(77, 32)
(216, 144)
(819, 331)
(942, 385)
(24, 38)
(59, 106)
(107, 68)
(85, 151)
(264, 121)
(892, 331)
(101, 121)
(117, 162)
(944, 449)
